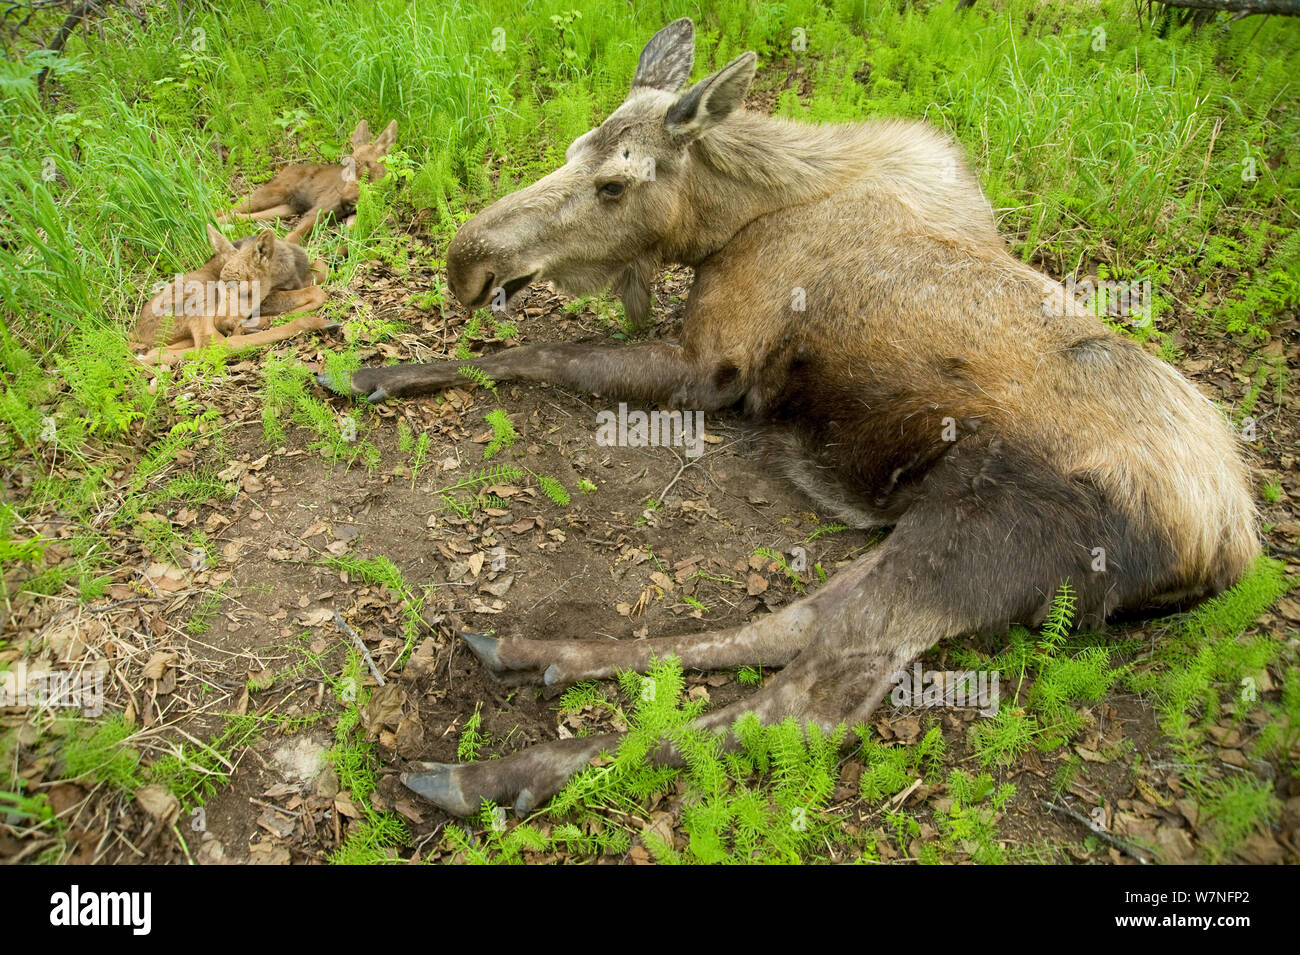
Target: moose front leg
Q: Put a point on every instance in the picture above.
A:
(659, 372)
(305, 225)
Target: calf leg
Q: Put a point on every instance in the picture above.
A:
(266, 196)
(990, 536)
(277, 303)
(305, 225)
(279, 333)
(282, 211)
(286, 301)
(659, 372)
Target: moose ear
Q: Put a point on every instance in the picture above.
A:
(712, 99)
(265, 245)
(360, 135)
(386, 139)
(667, 59)
(220, 244)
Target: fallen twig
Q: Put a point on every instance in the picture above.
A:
(356, 638)
(1097, 830)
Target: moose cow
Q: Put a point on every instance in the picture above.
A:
(932, 383)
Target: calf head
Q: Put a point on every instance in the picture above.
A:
(246, 261)
(367, 156)
(624, 194)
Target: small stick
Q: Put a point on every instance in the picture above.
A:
(365, 654)
(184, 848)
(1114, 840)
(901, 798)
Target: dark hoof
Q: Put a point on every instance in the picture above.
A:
(525, 803)
(513, 663)
(485, 648)
(348, 387)
(338, 387)
(437, 783)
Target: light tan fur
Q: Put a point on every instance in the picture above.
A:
(312, 190)
(210, 304)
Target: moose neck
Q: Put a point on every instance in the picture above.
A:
(752, 165)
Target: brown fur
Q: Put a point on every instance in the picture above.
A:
(932, 382)
(209, 304)
(313, 190)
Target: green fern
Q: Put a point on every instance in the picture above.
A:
(554, 490)
(580, 696)
(783, 565)
(471, 740)
(503, 432)
(478, 377)
(1056, 628)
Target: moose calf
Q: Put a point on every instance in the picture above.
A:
(311, 190)
(243, 283)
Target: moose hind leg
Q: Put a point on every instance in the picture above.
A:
(992, 535)
(770, 640)
(265, 196)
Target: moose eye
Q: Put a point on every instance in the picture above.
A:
(613, 189)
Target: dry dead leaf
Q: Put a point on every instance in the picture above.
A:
(159, 802)
(344, 806)
(159, 664)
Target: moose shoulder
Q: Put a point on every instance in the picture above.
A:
(853, 292)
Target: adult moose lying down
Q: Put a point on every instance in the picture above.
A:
(932, 383)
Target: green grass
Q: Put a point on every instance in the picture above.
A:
(194, 773)
(377, 836)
